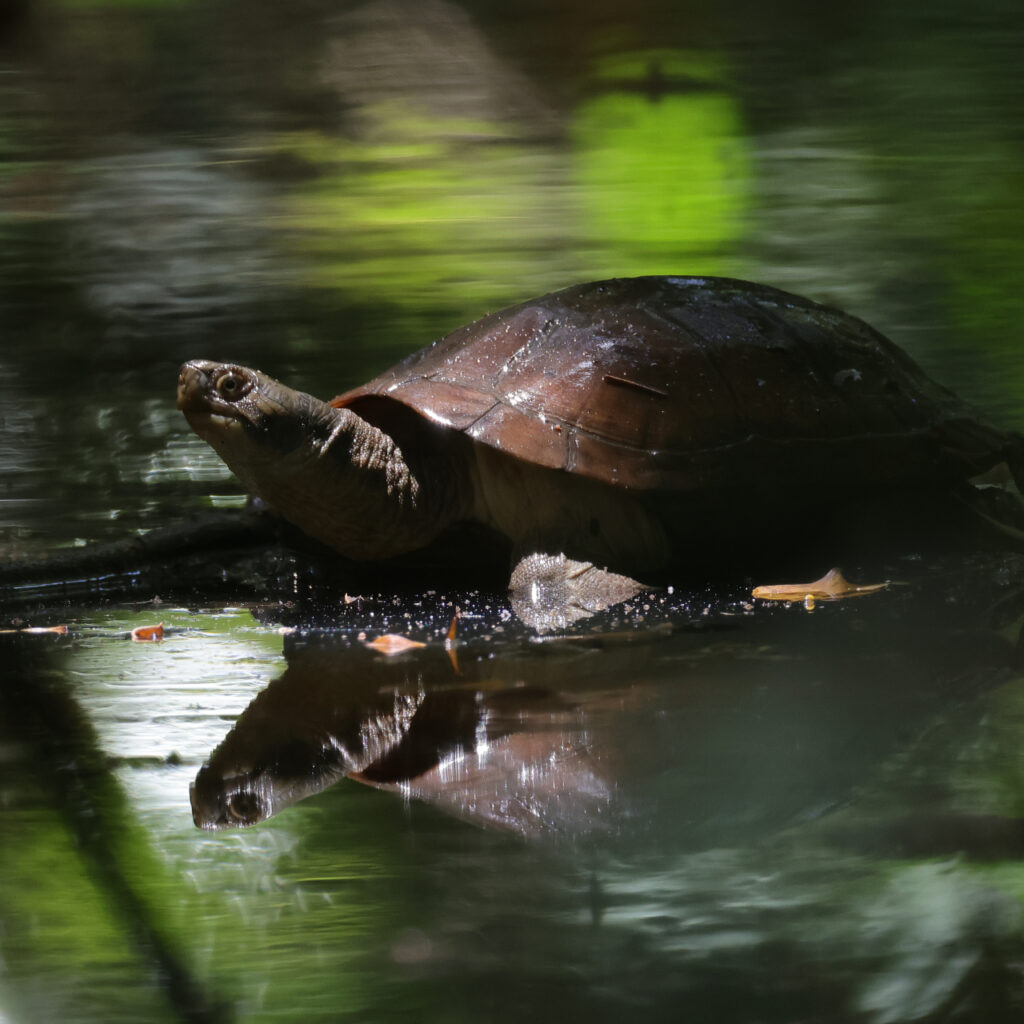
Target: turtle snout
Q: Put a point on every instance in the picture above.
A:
(192, 386)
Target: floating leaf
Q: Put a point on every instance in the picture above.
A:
(392, 643)
(59, 630)
(833, 586)
(148, 634)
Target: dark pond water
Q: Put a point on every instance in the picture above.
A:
(693, 808)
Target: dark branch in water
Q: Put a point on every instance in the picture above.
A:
(233, 553)
(140, 563)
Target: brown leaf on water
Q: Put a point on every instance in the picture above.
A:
(148, 634)
(59, 630)
(449, 643)
(392, 643)
(833, 586)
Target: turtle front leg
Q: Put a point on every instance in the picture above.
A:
(552, 591)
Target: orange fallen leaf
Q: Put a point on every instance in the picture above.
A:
(392, 643)
(449, 643)
(833, 586)
(59, 630)
(147, 634)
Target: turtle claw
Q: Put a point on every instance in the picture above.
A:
(550, 592)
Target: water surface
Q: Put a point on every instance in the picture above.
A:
(711, 809)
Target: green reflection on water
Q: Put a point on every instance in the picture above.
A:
(350, 904)
(83, 897)
(662, 173)
(291, 918)
(61, 933)
(105, 736)
(650, 184)
(380, 211)
(983, 257)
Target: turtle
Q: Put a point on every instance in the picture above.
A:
(610, 434)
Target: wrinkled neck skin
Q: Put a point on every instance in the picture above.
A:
(334, 475)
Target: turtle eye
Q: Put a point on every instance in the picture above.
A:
(232, 386)
(244, 808)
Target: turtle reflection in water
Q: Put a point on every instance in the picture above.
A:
(337, 714)
(608, 433)
(720, 735)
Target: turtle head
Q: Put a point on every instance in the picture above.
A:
(232, 407)
(326, 470)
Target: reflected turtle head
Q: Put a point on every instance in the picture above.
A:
(228, 803)
(242, 784)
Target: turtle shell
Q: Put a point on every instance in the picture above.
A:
(684, 383)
